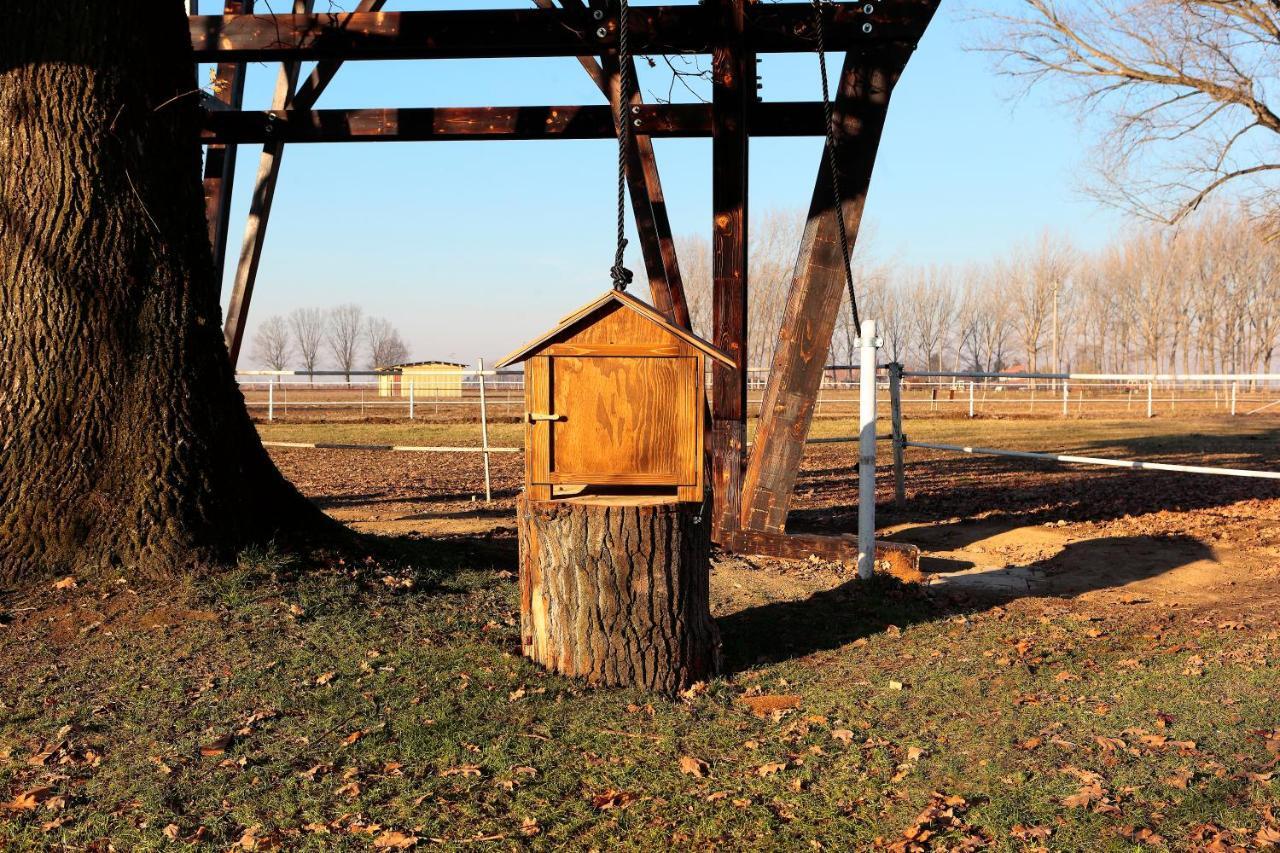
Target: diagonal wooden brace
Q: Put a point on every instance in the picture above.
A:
(818, 286)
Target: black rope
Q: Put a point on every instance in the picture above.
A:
(834, 166)
(619, 273)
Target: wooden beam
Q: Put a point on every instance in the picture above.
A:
(264, 191)
(817, 291)
(443, 124)
(255, 232)
(733, 91)
(220, 159)
(896, 558)
(497, 33)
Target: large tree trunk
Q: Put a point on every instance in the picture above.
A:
(616, 590)
(124, 443)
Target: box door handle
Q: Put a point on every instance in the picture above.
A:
(535, 417)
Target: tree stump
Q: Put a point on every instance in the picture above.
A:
(614, 589)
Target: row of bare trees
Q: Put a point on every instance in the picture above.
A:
(342, 334)
(1203, 296)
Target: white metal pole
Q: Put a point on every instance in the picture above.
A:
(271, 401)
(1235, 386)
(484, 436)
(971, 384)
(410, 398)
(867, 453)
(1151, 390)
(1066, 397)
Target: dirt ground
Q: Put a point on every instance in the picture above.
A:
(990, 529)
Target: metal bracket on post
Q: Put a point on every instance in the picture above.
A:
(869, 345)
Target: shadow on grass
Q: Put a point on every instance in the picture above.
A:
(828, 619)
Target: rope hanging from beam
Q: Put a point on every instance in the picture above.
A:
(618, 272)
(833, 165)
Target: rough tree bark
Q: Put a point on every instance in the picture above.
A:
(124, 442)
(616, 591)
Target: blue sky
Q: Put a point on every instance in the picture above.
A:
(470, 248)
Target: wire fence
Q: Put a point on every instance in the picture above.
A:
(450, 396)
(1222, 392)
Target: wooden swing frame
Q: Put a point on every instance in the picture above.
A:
(751, 492)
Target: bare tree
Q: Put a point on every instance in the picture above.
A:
(775, 240)
(1036, 278)
(1189, 87)
(272, 346)
(931, 309)
(308, 328)
(342, 336)
(386, 347)
(694, 251)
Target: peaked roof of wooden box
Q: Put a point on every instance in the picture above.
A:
(626, 300)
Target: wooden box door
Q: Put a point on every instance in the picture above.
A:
(618, 420)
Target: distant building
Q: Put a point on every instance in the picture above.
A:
(427, 378)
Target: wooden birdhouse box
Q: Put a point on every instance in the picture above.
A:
(614, 404)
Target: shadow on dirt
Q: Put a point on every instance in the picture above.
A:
(833, 618)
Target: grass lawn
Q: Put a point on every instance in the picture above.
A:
(339, 710)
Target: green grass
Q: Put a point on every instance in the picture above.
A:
(432, 725)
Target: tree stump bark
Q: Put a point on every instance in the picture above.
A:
(615, 590)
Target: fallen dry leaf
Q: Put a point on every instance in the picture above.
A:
(770, 769)
(612, 799)
(842, 735)
(351, 789)
(462, 770)
(1030, 833)
(393, 840)
(66, 583)
(29, 799)
(691, 766)
(529, 827)
(218, 746)
(325, 678)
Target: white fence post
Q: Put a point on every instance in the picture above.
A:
(1235, 386)
(867, 453)
(1066, 398)
(410, 398)
(484, 435)
(971, 384)
(895, 414)
(271, 401)
(1151, 390)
